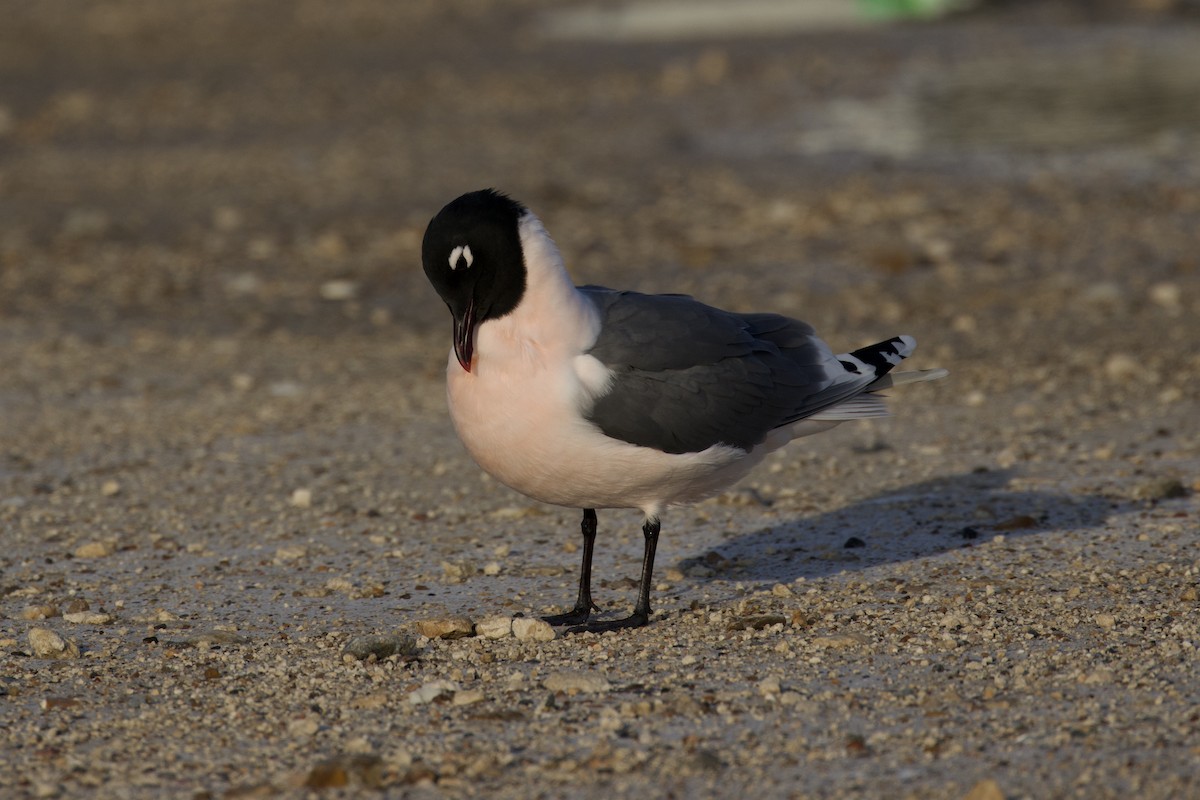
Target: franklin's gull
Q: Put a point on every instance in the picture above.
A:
(591, 398)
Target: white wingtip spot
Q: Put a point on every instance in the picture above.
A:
(461, 253)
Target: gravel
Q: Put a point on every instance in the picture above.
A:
(573, 682)
(230, 495)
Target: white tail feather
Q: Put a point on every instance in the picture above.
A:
(868, 404)
(901, 378)
(863, 406)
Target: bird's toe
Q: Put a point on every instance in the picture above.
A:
(576, 616)
(635, 620)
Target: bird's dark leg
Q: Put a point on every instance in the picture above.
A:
(583, 603)
(641, 612)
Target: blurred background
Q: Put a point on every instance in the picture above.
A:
(222, 393)
(236, 168)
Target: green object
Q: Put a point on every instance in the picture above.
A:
(910, 9)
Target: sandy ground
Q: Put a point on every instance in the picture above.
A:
(225, 457)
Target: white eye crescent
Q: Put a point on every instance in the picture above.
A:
(462, 252)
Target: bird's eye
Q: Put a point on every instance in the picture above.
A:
(461, 254)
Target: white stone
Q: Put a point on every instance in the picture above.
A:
(494, 627)
(46, 643)
(528, 629)
(431, 691)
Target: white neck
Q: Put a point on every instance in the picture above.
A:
(553, 321)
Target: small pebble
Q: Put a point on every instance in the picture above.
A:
(467, 696)
(513, 512)
(285, 389)
(226, 218)
(302, 498)
(455, 627)
(339, 290)
(261, 248)
(840, 641)
(46, 643)
(1166, 295)
(242, 284)
(363, 648)
(303, 728)
(575, 681)
(94, 550)
(40, 611)
(369, 702)
(494, 627)
(1160, 489)
(528, 629)
(88, 618)
(357, 769)
(756, 622)
(986, 789)
(431, 691)
(110, 489)
(51, 703)
(853, 542)
(1099, 677)
(458, 571)
(1122, 367)
(1104, 293)
(288, 553)
(1017, 523)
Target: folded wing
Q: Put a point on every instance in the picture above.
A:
(687, 376)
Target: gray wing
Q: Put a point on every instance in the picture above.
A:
(688, 376)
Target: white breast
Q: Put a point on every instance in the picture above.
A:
(520, 411)
(525, 429)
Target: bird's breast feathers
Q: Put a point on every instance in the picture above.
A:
(525, 425)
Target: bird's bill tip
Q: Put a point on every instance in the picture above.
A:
(463, 354)
(464, 337)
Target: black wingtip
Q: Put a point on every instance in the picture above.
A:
(881, 356)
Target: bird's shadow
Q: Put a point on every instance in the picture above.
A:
(916, 521)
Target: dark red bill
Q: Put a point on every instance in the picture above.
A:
(464, 336)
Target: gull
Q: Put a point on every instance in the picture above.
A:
(591, 398)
